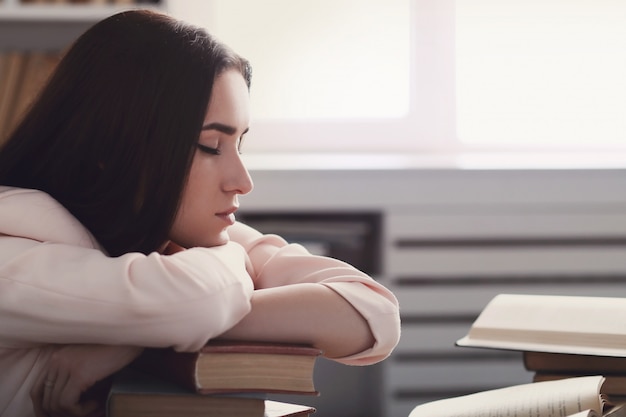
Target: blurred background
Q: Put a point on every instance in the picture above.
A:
(453, 149)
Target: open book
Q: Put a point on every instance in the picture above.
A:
(566, 397)
(614, 385)
(548, 323)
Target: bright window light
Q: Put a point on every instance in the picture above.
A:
(547, 73)
(322, 59)
(428, 76)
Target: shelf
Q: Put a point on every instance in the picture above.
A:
(53, 26)
(64, 12)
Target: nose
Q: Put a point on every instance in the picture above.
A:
(238, 179)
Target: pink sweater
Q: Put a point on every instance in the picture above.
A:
(57, 286)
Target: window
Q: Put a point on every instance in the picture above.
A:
(428, 76)
(324, 59)
(327, 74)
(546, 73)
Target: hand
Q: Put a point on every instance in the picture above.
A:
(68, 386)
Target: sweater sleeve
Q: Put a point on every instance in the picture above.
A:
(276, 263)
(59, 293)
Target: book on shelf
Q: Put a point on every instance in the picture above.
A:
(38, 67)
(551, 323)
(570, 397)
(135, 393)
(232, 366)
(12, 71)
(22, 75)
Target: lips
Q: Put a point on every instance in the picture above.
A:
(228, 216)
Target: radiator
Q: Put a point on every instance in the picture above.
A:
(446, 263)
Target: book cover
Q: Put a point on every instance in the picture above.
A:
(227, 366)
(581, 364)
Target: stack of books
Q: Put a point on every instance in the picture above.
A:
(574, 345)
(224, 379)
(548, 366)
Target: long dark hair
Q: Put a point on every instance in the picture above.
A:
(112, 134)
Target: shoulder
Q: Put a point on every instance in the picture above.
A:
(34, 214)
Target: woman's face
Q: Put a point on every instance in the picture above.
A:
(217, 173)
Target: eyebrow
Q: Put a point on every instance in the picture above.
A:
(220, 127)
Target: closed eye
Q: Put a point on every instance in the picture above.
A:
(208, 149)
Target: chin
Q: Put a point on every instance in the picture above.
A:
(218, 240)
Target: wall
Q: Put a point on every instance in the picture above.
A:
(451, 239)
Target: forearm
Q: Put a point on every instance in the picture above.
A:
(305, 313)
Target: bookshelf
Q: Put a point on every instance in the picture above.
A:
(43, 11)
(55, 23)
(32, 35)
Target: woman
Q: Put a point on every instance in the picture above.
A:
(117, 228)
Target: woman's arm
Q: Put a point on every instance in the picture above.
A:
(305, 313)
(180, 300)
(302, 297)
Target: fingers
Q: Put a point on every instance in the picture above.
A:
(60, 398)
(50, 390)
(69, 383)
(36, 394)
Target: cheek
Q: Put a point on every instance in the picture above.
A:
(197, 184)
(195, 224)
(199, 192)
(185, 229)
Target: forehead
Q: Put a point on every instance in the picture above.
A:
(230, 101)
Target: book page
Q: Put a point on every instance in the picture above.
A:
(585, 413)
(540, 399)
(564, 324)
